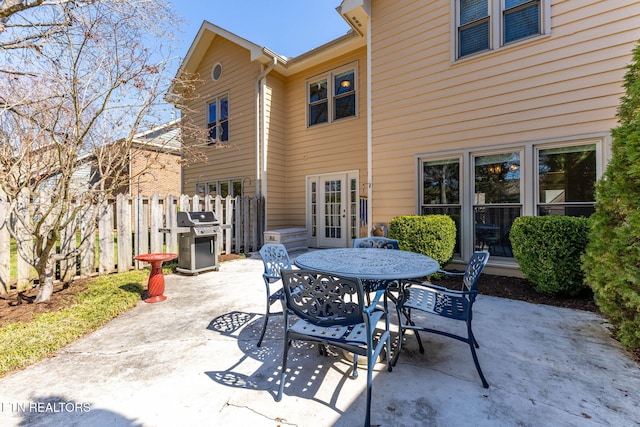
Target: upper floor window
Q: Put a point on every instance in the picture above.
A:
(218, 119)
(489, 24)
(331, 96)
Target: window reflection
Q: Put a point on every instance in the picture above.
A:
(441, 192)
(566, 180)
(497, 201)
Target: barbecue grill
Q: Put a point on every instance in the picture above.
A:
(197, 238)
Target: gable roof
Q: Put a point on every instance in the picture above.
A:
(263, 55)
(164, 137)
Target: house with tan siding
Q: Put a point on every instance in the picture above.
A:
(485, 110)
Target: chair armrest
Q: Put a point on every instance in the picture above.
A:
(435, 288)
(451, 273)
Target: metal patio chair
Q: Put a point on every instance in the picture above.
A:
(452, 304)
(376, 242)
(330, 310)
(275, 258)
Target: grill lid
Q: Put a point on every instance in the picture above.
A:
(196, 219)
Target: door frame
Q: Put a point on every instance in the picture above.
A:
(349, 205)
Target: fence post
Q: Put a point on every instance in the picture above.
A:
(123, 214)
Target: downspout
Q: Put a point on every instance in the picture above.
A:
(261, 132)
(260, 120)
(369, 132)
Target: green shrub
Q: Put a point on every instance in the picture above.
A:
(612, 260)
(548, 249)
(431, 235)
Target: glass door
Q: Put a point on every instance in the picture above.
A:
(332, 211)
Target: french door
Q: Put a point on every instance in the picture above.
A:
(332, 209)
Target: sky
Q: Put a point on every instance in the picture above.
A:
(287, 27)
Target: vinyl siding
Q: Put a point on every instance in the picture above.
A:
(326, 148)
(276, 200)
(236, 158)
(562, 85)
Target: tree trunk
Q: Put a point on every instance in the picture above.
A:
(46, 284)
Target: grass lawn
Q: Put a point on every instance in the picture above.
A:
(24, 343)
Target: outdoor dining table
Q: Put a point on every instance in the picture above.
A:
(368, 264)
(371, 265)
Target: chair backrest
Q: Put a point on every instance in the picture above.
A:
(275, 258)
(323, 299)
(376, 242)
(474, 269)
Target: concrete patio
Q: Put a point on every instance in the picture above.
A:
(192, 361)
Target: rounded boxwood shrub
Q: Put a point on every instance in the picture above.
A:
(431, 235)
(548, 249)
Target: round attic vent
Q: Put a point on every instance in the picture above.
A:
(216, 72)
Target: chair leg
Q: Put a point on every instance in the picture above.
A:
(400, 338)
(472, 341)
(407, 315)
(354, 374)
(283, 374)
(266, 321)
(370, 363)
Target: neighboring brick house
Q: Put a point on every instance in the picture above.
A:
(163, 177)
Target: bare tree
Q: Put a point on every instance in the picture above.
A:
(76, 84)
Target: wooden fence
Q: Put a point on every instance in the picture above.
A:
(133, 225)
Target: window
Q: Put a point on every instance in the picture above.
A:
(218, 120)
(318, 102)
(497, 202)
(441, 191)
(566, 180)
(520, 19)
(332, 96)
(222, 188)
(483, 25)
(484, 192)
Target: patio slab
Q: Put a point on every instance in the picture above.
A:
(192, 361)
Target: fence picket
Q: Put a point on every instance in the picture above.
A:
(106, 242)
(135, 222)
(88, 244)
(5, 244)
(170, 212)
(123, 215)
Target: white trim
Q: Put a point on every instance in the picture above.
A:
(496, 28)
(528, 180)
(329, 76)
(216, 99)
(347, 175)
(213, 71)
